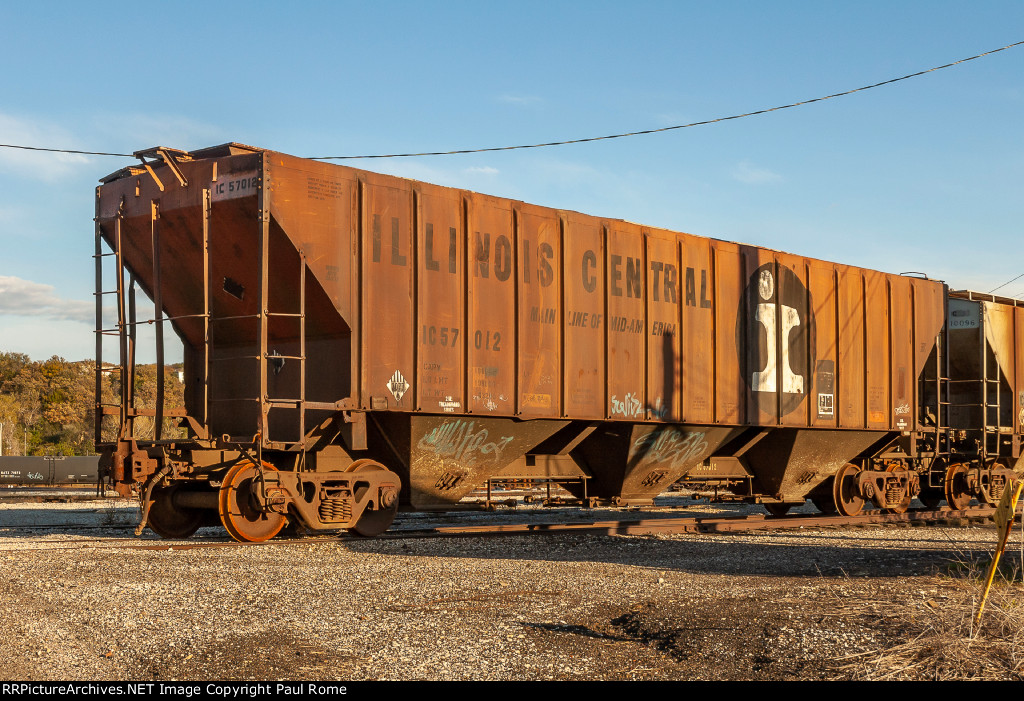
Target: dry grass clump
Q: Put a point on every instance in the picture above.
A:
(945, 643)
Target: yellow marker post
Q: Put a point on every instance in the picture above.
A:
(1003, 516)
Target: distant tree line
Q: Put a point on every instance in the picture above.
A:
(48, 407)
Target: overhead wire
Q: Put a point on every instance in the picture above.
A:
(1006, 283)
(679, 126)
(67, 150)
(586, 139)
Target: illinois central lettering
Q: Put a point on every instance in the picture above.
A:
(397, 257)
(497, 257)
(502, 256)
(634, 277)
(626, 279)
(430, 261)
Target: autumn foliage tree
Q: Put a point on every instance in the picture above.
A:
(52, 403)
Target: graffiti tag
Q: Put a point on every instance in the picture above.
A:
(672, 446)
(457, 440)
(653, 478)
(629, 406)
(449, 480)
(658, 411)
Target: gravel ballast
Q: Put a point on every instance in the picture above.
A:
(802, 604)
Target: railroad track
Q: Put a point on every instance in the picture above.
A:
(38, 496)
(642, 526)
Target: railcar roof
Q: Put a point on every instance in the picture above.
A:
(233, 148)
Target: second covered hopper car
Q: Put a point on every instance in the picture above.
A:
(48, 470)
(355, 341)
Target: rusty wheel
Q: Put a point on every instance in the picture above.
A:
(825, 504)
(372, 522)
(957, 494)
(993, 484)
(170, 521)
(238, 510)
(777, 509)
(844, 491)
(902, 507)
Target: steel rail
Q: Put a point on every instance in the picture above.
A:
(668, 525)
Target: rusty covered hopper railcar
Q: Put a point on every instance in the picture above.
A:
(47, 470)
(981, 410)
(355, 340)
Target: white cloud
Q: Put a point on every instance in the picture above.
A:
(136, 131)
(414, 170)
(9, 215)
(467, 177)
(667, 119)
(42, 339)
(118, 133)
(26, 298)
(41, 165)
(520, 100)
(747, 172)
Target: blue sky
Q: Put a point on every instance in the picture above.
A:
(923, 175)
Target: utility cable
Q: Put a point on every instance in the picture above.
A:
(583, 140)
(65, 150)
(680, 126)
(1006, 283)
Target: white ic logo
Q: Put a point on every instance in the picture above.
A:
(765, 380)
(779, 341)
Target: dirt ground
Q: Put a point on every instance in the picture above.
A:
(812, 604)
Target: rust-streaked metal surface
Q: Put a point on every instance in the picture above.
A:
(425, 324)
(903, 378)
(518, 310)
(491, 306)
(730, 335)
(441, 359)
(583, 317)
(539, 352)
(638, 462)
(388, 368)
(876, 325)
(824, 294)
(1019, 345)
(662, 328)
(790, 462)
(697, 330)
(1000, 337)
(449, 456)
(797, 337)
(987, 340)
(850, 387)
(929, 322)
(626, 325)
(766, 350)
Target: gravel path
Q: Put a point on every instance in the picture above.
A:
(782, 605)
